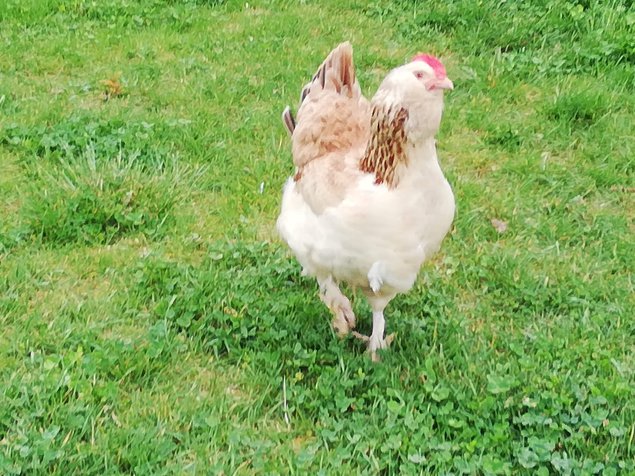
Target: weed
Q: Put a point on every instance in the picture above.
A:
(580, 109)
(84, 200)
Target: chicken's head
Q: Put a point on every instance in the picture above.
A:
(417, 87)
(424, 78)
(430, 72)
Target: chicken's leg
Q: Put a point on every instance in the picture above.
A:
(340, 306)
(376, 340)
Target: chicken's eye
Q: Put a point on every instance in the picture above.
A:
(419, 75)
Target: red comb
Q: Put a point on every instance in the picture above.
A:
(434, 63)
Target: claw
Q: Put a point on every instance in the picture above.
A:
(343, 321)
(341, 327)
(359, 336)
(349, 316)
(390, 338)
(383, 344)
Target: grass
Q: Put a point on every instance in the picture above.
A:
(152, 323)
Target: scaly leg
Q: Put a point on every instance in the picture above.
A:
(340, 306)
(376, 340)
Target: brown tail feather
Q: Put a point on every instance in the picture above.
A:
(333, 115)
(305, 91)
(337, 71)
(288, 120)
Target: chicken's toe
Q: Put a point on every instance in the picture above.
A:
(376, 343)
(343, 322)
(340, 325)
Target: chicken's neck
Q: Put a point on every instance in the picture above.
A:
(390, 146)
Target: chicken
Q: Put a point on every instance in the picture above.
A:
(368, 202)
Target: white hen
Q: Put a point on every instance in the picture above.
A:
(368, 202)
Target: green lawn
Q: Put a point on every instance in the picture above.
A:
(152, 323)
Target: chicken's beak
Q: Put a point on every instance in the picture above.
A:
(444, 83)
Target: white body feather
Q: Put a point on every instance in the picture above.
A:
(378, 231)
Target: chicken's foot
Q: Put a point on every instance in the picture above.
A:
(376, 340)
(339, 305)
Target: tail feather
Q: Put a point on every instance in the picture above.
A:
(333, 115)
(288, 120)
(336, 72)
(305, 92)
